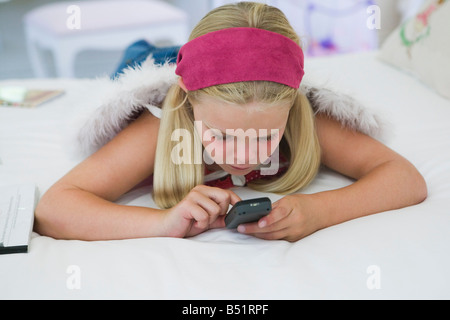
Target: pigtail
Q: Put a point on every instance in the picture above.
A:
(173, 181)
(301, 145)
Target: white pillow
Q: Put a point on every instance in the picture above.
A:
(421, 46)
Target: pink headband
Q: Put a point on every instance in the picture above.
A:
(240, 54)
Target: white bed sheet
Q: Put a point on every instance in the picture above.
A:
(409, 249)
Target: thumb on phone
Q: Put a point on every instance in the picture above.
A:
(234, 198)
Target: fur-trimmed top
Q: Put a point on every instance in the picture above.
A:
(146, 86)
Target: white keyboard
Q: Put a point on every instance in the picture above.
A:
(17, 205)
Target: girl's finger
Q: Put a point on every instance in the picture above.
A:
(200, 216)
(278, 213)
(273, 235)
(222, 197)
(219, 223)
(254, 227)
(210, 206)
(225, 198)
(234, 198)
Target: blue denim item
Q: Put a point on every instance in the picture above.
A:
(137, 52)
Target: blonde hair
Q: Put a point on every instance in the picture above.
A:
(172, 182)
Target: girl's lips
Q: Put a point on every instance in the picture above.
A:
(240, 168)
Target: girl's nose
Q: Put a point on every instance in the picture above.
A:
(244, 153)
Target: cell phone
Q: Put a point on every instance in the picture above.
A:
(246, 211)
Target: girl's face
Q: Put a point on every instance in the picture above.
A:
(239, 137)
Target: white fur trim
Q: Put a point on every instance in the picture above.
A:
(146, 87)
(347, 110)
(142, 87)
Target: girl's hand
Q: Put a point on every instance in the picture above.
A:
(202, 209)
(292, 218)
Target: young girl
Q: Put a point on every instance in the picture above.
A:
(240, 73)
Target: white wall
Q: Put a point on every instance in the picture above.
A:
(14, 60)
(391, 11)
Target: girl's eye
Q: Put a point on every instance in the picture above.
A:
(219, 137)
(269, 138)
(265, 139)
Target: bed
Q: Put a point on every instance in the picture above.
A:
(400, 254)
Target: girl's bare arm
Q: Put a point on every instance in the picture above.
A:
(385, 180)
(80, 205)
